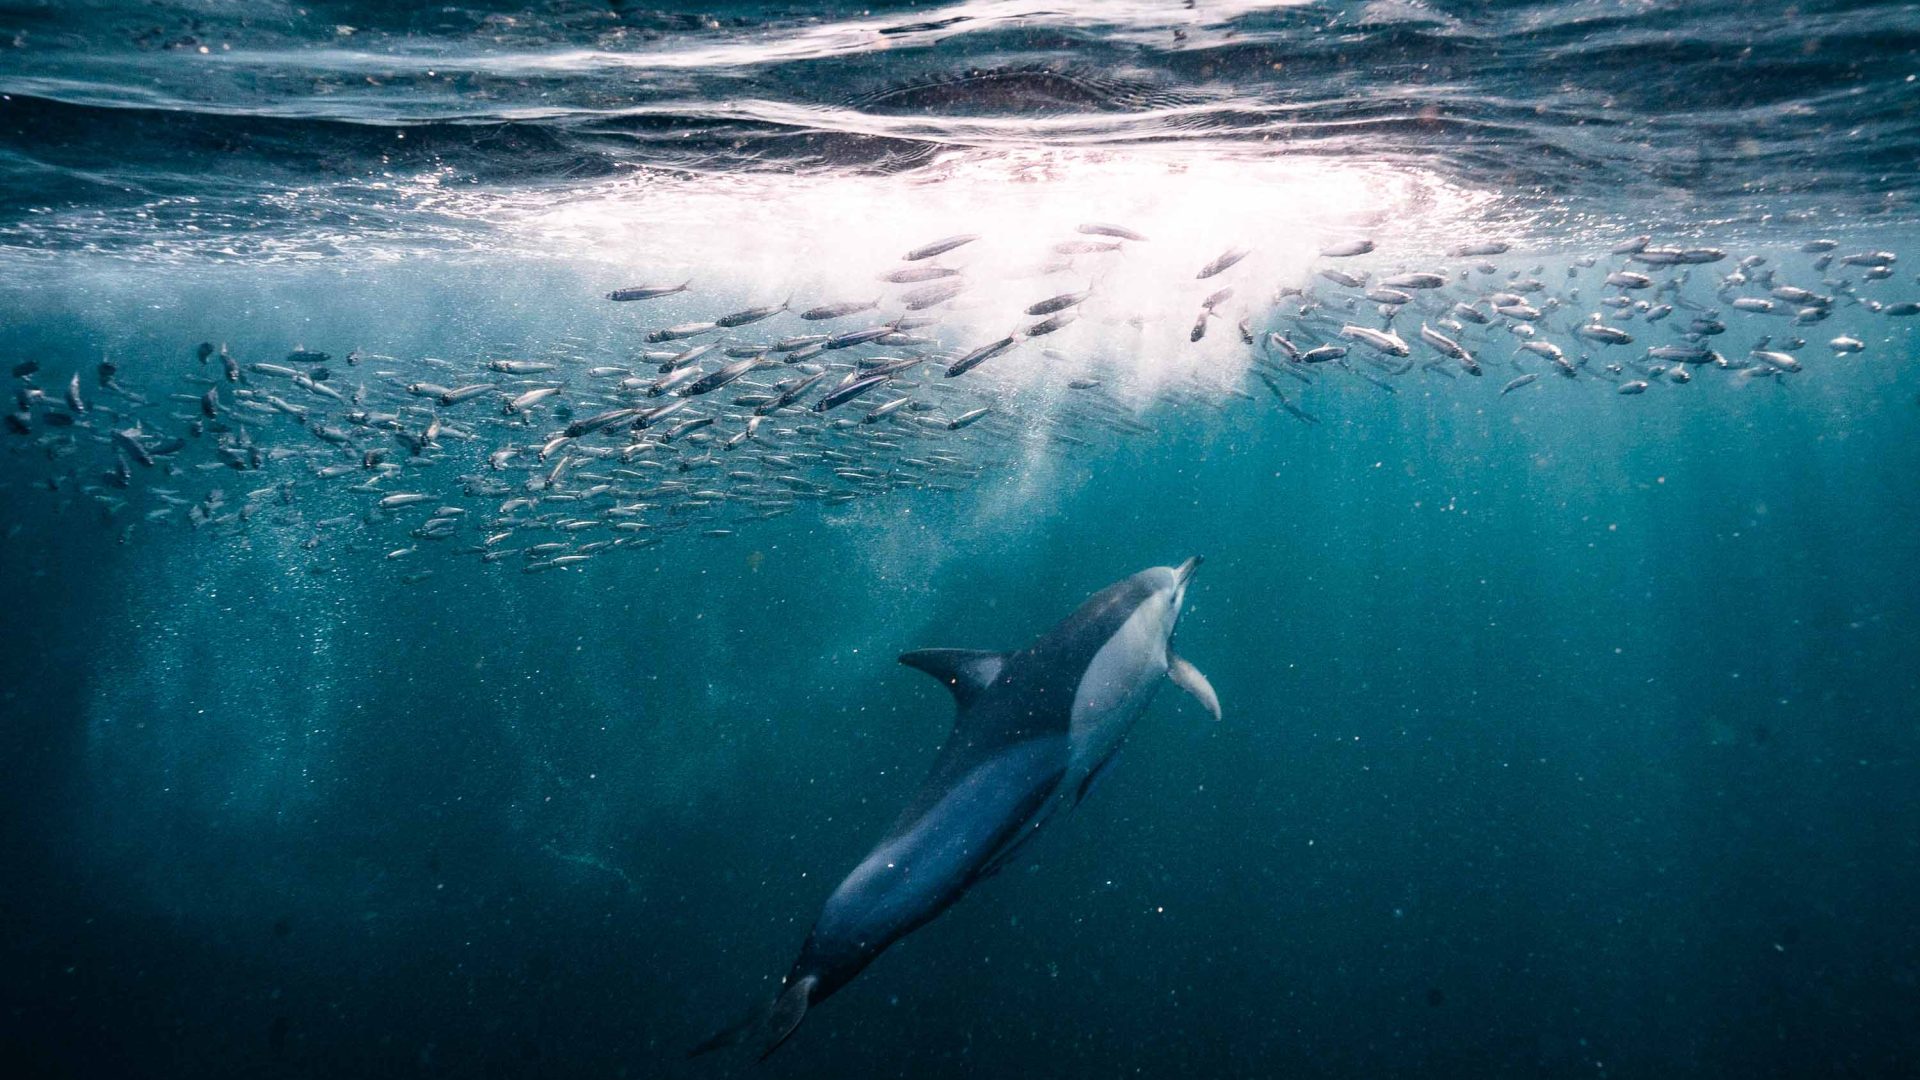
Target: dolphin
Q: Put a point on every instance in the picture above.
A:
(1033, 730)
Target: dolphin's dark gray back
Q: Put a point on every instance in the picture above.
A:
(1030, 697)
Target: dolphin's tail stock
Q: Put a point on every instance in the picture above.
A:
(771, 1024)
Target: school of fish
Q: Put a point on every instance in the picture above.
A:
(546, 462)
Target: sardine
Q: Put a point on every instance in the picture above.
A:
(750, 315)
(1223, 261)
(720, 377)
(464, 393)
(908, 275)
(1101, 228)
(683, 330)
(846, 392)
(1608, 335)
(1382, 341)
(1058, 303)
(839, 310)
(1049, 325)
(939, 247)
(646, 292)
(980, 356)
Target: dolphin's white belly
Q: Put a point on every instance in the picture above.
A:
(1115, 690)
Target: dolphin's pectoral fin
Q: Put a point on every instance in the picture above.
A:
(966, 672)
(1012, 847)
(1087, 781)
(1188, 678)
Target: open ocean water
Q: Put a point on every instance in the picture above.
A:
(417, 663)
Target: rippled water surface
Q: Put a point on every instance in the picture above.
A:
(287, 129)
(422, 663)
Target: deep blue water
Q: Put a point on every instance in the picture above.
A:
(1568, 730)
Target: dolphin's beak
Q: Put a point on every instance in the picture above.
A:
(1184, 572)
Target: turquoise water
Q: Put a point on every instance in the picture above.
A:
(1566, 730)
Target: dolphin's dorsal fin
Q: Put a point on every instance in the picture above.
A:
(966, 672)
(1188, 678)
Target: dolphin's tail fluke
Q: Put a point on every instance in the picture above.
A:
(731, 1035)
(772, 1024)
(788, 1011)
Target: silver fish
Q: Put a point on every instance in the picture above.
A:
(750, 315)
(1101, 228)
(966, 418)
(683, 330)
(790, 395)
(1415, 280)
(1479, 248)
(1608, 335)
(646, 292)
(683, 358)
(1383, 341)
(881, 412)
(1223, 261)
(1449, 347)
(926, 296)
(1049, 325)
(861, 336)
(464, 393)
(908, 275)
(839, 310)
(672, 380)
(1058, 303)
(594, 423)
(720, 377)
(848, 391)
(939, 247)
(980, 356)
